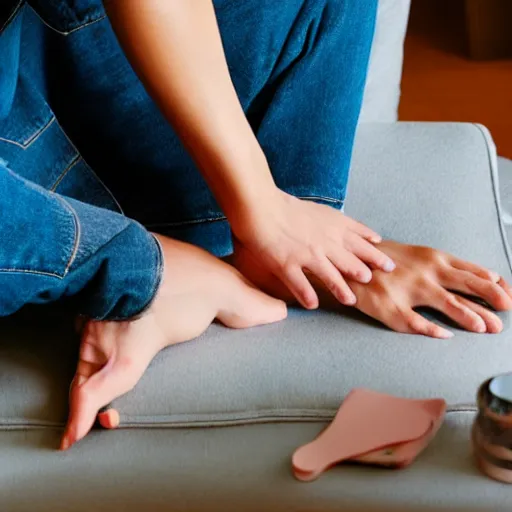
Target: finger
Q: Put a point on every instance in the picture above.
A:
(470, 284)
(108, 417)
(417, 324)
(506, 287)
(350, 265)
(479, 271)
(368, 253)
(91, 354)
(333, 281)
(447, 303)
(492, 321)
(405, 321)
(293, 277)
(88, 398)
(363, 231)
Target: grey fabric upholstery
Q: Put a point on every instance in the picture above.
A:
(276, 386)
(382, 94)
(505, 175)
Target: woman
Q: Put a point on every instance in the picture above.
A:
(100, 185)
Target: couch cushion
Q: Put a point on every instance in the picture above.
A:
(424, 183)
(382, 93)
(245, 468)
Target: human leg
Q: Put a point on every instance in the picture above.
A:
(143, 294)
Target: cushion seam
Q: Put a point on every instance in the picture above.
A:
(265, 416)
(495, 186)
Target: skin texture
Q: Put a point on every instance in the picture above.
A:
(283, 244)
(423, 277)
(197, 288)
(176, 49)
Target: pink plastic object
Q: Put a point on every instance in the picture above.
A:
(371, 428)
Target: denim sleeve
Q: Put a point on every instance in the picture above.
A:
(53, 248)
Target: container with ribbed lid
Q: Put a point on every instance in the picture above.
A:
(492, 429)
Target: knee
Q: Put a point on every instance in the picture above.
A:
(354, 14)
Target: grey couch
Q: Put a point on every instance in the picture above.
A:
(213, 423)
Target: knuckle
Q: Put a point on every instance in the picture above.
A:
(433, 330)
(445, 274)
(433, 256)
(316, 253)
(487, 274)
(415, 323)
(450, 302)
(287, 267)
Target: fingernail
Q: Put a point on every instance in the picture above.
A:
(389, 266)
(365, 278)
(350, 300)
(481, 328)
(447, 335)
(64, 445)
(376, 240)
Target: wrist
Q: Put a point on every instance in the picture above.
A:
(259, 208)
(247, 191)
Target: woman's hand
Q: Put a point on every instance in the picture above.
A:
(423, 277)
(428, 277)
(290, 236)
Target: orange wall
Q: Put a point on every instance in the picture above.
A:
(441, 84)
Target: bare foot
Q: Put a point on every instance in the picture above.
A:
(423, 277)
(196, 289)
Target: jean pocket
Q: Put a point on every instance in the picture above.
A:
(28, 118)
(68, 16)
(34, 144)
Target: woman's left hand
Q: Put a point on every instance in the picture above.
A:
(430, 278)
(291, 237)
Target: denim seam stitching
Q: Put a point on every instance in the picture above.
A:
(159, 276)
(11, 17)
(89, 169)
(154, 290)
(68, 32)
(323, 198)
(64, 172)
(78, 233)
(102, 183)
(75, 221)
(27, 143)
(27, 271)
(186, 222)
(222, 218)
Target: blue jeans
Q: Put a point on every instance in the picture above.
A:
(88, 165)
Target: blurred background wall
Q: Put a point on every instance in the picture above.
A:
(458, 65)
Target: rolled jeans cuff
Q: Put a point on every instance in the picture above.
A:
(118, 273)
